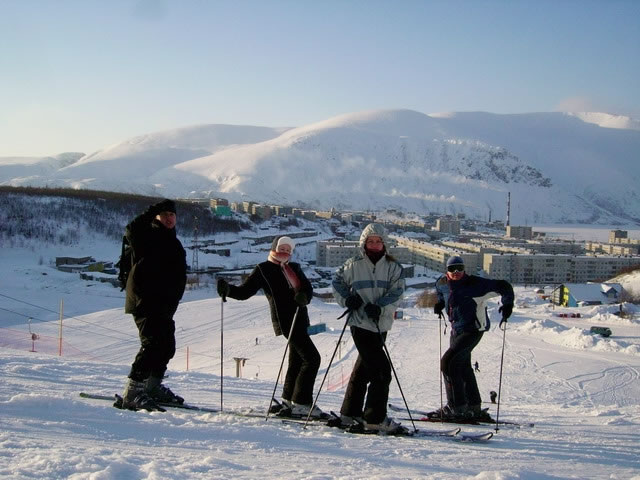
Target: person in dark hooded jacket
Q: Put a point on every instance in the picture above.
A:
(154, 288)
(463, 297)
(288, 292)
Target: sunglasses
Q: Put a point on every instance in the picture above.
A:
(455, 268)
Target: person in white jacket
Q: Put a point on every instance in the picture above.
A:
(370, 285)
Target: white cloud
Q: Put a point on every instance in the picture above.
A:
(576, 104)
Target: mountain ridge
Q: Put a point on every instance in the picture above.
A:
(559, 167)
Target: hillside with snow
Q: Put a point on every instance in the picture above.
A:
(559, 168)
(581, 391)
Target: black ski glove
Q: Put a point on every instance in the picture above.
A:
(353, 302)
(223, 288)
(506, 311)
(438, 308)
(301, 299)
(373, 311)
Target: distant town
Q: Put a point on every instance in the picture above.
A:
(513, 253)
(495, 248)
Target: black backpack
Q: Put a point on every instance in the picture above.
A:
(125, 263)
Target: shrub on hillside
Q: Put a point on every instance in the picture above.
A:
(427, 299)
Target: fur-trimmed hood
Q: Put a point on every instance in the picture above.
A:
(374, 229)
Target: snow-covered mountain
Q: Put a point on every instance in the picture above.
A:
(559, 167)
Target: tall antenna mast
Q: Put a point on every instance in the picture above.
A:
(194, 258)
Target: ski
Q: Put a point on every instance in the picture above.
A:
(436, 433)
(360, 429)
(449, 434)
(452, 434)
(472, 422)
(480, 437)
(281, 410)
(282, 415)
(423, 416)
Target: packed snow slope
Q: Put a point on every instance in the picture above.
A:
(582, 391)
(559, 167)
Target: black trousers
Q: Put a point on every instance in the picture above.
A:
(459, 380)
(370, 378)
(157, 346)
(304, 362)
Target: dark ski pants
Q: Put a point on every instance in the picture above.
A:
(157, 346)
(304, 362)
(459, 380)
(372, 370)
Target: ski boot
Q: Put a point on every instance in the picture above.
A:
(134, 397)
(161, 393)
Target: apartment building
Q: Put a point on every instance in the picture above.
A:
(333, 253)
(530, 246)
(261, 211)
(536, 268)
(280, 210)
(215, 202)
(520, 266)
(448, 225)
(519, 232)
(435, 257)
(612, 249)
(247, 206)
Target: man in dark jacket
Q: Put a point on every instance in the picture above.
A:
(464, 298)
(288, 292)
(155, 285)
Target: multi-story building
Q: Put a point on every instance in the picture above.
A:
(612, 249)
(280, 210)
(333, 253)
(309, 215)
(262, 211)
(620, 237)
(448, 225)
(519, 232)
(555, 247)
(435, 257)
(215, 202)
(324, 214)
(247, 206)
(536, 268)
(529, 246)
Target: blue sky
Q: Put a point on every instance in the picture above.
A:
(79, 75)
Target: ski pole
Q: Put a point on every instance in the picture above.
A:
(386, 351)
(275, 387)
(328, 366)
(439, 367)
(504, 333)
(223, 299)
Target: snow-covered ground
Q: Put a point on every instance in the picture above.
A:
(582, 391)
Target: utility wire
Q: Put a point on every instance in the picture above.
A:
(67, 317)
(70, 327)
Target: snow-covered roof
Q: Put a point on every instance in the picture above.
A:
(588, 291)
